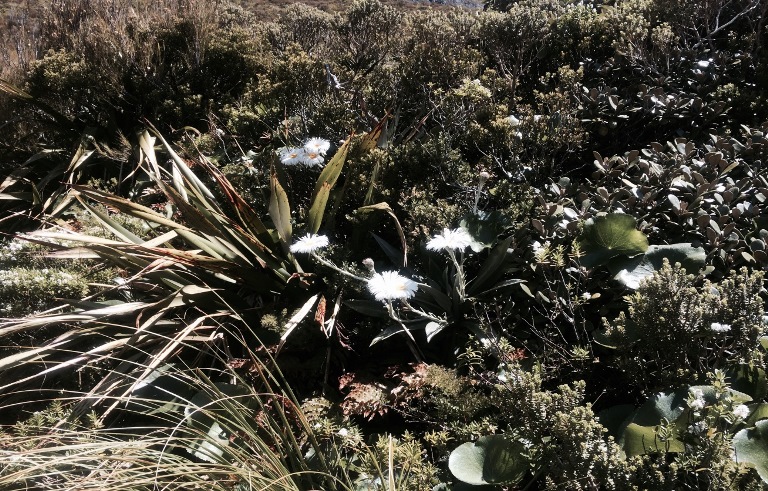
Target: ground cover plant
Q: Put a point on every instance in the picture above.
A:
(372, 248)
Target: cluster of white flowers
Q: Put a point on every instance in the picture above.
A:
(9, 250)
(698, 402)
(25, 277)
(474, 89)
(717, 327)
(741, 411)
(389, 286)
(312, 154)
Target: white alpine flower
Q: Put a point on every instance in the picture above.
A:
(292, 156)
(457, 238)
(317, 145)
(717, 327)
(391, 286)
(312, 159)
(309, 243)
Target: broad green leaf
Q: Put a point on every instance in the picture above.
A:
(368, 143)
(491, 270)
(633, 270)
(441, 300)
(316, 212)
(750, 446)
(669, 406)
(280, 210)
(606, 237)
(395, 256)
(433, 328)
(209, 412)
(493, 459)
(641, 440)
(162, 391)
(325, 183)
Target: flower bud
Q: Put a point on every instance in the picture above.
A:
(368, 263)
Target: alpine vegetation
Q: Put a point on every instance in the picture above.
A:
(382, 245)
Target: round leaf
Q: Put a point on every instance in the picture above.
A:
(641, 440)
(751, 446)
(492, 459)
(633, 271)
(609, 236)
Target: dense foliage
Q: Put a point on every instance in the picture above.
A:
(520, 247)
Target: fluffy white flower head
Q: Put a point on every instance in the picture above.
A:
(312, 159)
(317, 145)
(391, 286)
(741, 411)
(291, 156)
(717, 327)
(309, 243)
(457, 238)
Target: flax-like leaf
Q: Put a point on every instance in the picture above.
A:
(112, 225)
(18, 325)
(371, 139)
(181, 166)
(158, 359)
(251, 222)
(128, 207)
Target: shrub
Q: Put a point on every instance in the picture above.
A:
(675, 331)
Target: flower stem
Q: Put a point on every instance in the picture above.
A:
(325, 262)
(410, 340)
(459, 272)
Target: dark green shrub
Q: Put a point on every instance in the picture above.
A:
(675, 330)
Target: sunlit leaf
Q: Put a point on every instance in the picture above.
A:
(750, 446)
(633, 270)
(492, 459)
(609, 236)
